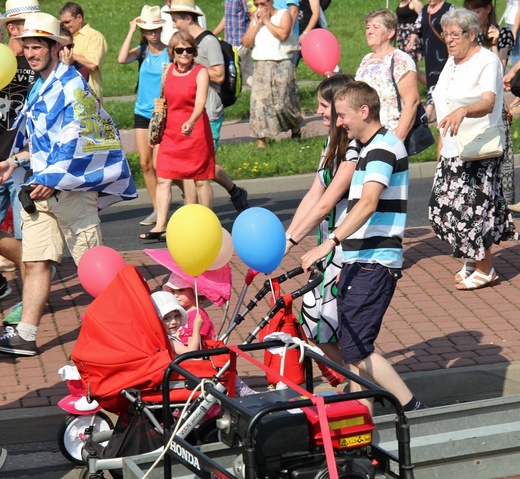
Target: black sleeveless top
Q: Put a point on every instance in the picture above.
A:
(406, 14)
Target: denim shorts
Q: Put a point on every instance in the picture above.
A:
(364, 294)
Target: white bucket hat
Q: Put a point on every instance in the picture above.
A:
(150, 18)
(165, 303)
(19, 10)
(184, 6)
(42, 25)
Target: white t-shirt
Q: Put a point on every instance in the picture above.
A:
(464, 84)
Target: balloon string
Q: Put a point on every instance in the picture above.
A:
(197, 303)
(196, 294)
(272, 287)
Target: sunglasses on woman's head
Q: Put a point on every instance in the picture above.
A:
(181, 50)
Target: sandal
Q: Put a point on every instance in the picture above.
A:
(478, 280)
(153, 235)
(466, 270)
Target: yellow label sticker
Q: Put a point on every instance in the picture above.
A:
(360, 440)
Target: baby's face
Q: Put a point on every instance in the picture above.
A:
(172, 321)
(185, 296)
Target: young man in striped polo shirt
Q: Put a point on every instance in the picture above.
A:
(371, 238)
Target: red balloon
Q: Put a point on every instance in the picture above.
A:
(98, 267)
(320, 50)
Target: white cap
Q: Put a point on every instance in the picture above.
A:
(165, 303)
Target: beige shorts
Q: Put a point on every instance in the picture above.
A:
(68, 217)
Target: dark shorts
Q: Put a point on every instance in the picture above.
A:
(364, 294)
(140, 122)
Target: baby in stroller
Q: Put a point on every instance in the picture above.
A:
(175, 318)
(198, 323)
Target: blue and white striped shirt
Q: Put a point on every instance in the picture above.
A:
(384, 160)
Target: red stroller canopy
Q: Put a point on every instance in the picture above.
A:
(122, 343)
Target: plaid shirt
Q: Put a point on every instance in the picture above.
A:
(236, 21)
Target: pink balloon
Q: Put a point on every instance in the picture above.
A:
(320, 50)
(225, 253)
(98, 267)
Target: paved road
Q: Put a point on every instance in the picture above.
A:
(121, 227)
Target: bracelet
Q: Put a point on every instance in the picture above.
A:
(304, 32)
(289, 238)
(494, 44)
(18, 161)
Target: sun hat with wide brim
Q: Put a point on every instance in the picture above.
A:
(150, 18)
(184, 6)
(42, 25)
(165, 303)
(19, 10)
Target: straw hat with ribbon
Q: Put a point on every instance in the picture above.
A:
(184, 6)
(42, 25)
(19, 10)
(150, 18)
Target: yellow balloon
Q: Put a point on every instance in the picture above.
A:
(9, 66)
(194, 238)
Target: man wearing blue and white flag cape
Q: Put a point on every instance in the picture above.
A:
(72, 151)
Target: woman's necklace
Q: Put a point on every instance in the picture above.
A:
(182, 70)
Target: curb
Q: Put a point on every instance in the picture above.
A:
(470, 383)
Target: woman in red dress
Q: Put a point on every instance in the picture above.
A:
(186, 151)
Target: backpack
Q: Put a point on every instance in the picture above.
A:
(232, 86)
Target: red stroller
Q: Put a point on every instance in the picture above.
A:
(121, 354)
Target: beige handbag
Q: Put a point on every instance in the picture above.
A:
(158, 121)
(476, 146)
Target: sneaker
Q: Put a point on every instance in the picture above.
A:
(5, 290)
(239, 200)
(150, 220)
(12, 343)
(14, 315)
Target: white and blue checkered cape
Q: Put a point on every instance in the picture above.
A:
(73, 142)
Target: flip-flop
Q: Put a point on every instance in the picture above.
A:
(466, 270)
(477, 280)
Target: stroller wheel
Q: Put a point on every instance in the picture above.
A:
(70, 433)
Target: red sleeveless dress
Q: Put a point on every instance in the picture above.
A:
(183, 157)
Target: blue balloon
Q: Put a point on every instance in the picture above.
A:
(259, 239)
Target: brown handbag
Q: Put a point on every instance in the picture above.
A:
(158, 121)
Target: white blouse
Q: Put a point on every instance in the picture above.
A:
(464, 84)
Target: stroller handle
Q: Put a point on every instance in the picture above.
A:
(315, 279)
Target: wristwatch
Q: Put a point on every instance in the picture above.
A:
(289, 238)
(334, 238)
